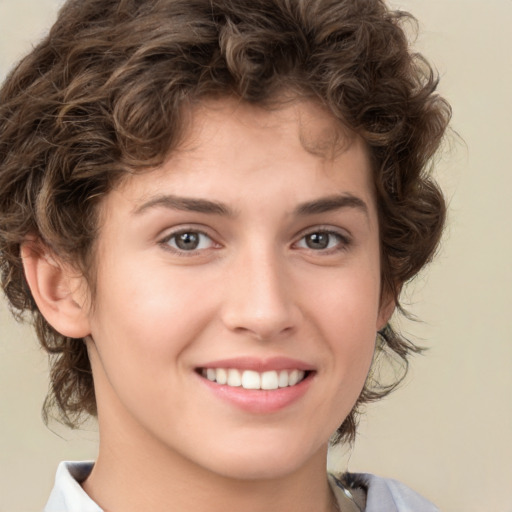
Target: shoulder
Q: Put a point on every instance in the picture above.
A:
(384, 494)
(67, 494)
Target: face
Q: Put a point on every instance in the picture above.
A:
(238, 291)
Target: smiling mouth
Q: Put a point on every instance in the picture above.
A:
(250, 379)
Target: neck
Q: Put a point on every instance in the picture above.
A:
(144, 475)
(145, 481)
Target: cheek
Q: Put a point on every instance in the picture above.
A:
(140, 330)
(349, 303)
(347, 314)
(151, 303)
(141, 325)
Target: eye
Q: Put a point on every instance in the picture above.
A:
(188, 241)
(322, 241)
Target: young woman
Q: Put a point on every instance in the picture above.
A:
(209, 207)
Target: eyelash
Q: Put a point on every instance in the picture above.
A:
(166, 242)
(342, 242)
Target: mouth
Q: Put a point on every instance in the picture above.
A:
(254, 380)
(258, 386)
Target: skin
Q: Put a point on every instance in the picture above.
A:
(257, 286)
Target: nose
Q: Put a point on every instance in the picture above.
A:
(260, 299)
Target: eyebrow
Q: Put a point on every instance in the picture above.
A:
(186, 204)
(331, 203)
(317, 206)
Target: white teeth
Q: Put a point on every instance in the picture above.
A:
(269, 380)
(221, 376)
(250, 379)
(293, 378)
(234, 378)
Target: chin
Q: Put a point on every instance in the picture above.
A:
(258, 460)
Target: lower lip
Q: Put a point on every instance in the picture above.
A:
(259, 401)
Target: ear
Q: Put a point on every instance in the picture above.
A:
(387, 308)
(60, 293)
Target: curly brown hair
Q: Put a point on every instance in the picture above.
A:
(104, 93)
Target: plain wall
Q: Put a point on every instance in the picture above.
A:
(448, 431)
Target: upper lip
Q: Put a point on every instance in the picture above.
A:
(260, 364)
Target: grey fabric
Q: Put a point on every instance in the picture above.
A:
(387, 495)
(383, 494)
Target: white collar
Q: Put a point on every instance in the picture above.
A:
(67, 494)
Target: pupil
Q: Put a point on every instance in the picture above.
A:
(317, 240)
(187, 241)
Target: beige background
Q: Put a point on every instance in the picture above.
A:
(448, 431)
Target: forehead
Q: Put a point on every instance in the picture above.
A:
(302, 127)
(302, 121)
(229, 149)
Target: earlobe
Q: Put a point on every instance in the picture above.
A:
(57, 291)
(387, 308)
